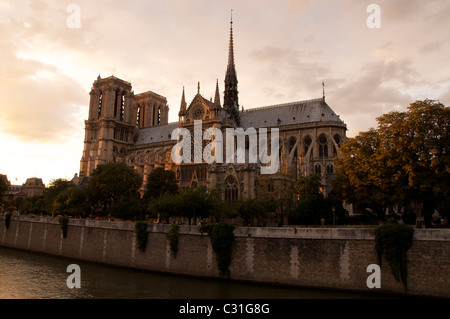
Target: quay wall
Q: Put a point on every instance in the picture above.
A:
(329, 258)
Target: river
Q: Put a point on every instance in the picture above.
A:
(29, 275)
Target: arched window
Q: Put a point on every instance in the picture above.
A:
(307, 143)
(116, 102)
(329, 169)
(122, 106)
(292, 142)
(155, 114)
(337, 139)
(231, 188)
(323, 146)
(159, 115)
(318, 169)
(138, 120)
(100, 100)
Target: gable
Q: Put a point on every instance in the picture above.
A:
(199, 108)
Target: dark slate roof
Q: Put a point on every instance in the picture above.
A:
(300, 112)
(155, 134)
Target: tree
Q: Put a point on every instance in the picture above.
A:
(278, 193)
(164, 206)
(362, 177)
(405, 160)
(110, 182)
(55, 187)
(72, 201)
(31, 205)
(198, 202)
(311, 206)
(159, 182)
(250, 208)
(3, 187)
(129, 208)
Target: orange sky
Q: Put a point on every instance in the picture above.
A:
(283, 52)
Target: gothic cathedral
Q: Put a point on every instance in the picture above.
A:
(134, 128)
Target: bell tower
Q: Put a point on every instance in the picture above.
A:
(110, 127)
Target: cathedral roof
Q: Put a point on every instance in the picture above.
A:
(300, 112)
(155, 134)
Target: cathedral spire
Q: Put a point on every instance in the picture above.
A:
(183, 103)
(230, 98)
(230, 46)
(217, 96)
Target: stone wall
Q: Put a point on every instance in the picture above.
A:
(331, 258)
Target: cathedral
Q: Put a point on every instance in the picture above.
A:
(134, 128)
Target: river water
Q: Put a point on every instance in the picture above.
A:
(29, 275)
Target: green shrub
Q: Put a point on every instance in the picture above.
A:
(7, 220)
(394, 240)
(173, 238)
(222, 237)
(64, 221)
(140, 229)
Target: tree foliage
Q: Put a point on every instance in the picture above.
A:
(312, 205)
(198, 202)
(159, 182)
(393, 241)
(72, 201)
(248, 209)
(222, 238)
(405, 160)
(278, 193)
(51, 193)
(112, 181)
(3, 187)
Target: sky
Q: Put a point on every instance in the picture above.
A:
(371, 60)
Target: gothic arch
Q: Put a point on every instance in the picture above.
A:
(100, 103)
(231, 186)
(323, 146)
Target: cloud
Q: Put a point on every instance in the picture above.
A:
(377, 89)
(41, 105)
(39, 102)
(292, 73)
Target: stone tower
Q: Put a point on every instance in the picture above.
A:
(110, 126)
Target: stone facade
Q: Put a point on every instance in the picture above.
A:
(134, 128)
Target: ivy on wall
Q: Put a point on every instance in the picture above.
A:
(394, 240)
(222, 237)
(7, 220)
(173, 238)
(140, 229)
(64, 221)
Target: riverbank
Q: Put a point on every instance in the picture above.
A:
(327, 258)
